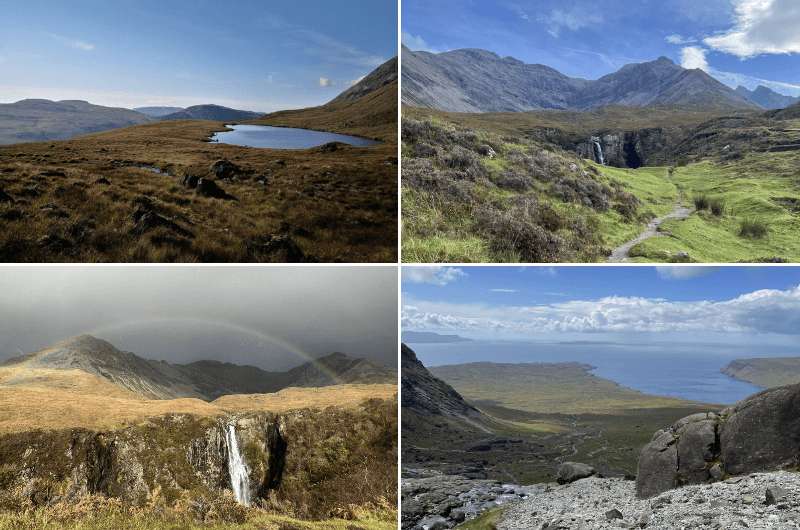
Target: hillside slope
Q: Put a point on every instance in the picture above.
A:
(34, 120)
(472, 80)
(765, 372)
(367, 109)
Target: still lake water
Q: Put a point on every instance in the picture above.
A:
(283, 137)
(667, 369)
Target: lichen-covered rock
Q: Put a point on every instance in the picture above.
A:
(572, 471)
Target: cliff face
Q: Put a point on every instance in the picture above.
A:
(631, 149)
(311, 462)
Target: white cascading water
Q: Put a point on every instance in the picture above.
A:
(240, 480)
(599, 152)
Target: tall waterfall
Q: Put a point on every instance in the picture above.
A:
(598, 151)
(240, 480)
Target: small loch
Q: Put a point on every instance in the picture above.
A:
(283, 137)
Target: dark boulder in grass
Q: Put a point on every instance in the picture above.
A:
(224, 170)
(278, 248)
(209, 188)
(190, 181)
(758, 434)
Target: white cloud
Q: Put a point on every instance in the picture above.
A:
(574, 19)
(357, 81)
(764, 311)
(74, 43)
(683, 273)
(678, 39)
(761, 27)
(325, 82)
(417, 43)
(504, 290)
(433, 275)
(694, 57)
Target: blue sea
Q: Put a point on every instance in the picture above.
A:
(687, 371)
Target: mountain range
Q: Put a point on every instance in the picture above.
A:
(474, 80)
(205, 380)
(767, 98)
(34, 120)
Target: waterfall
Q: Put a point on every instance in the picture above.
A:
(598, 151)
(240, 480)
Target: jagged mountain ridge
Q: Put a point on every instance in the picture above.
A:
(205, 380)
(767, 98)
(473, 80)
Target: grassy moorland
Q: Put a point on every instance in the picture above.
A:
(755, 218)
(103, 514)
(509, 187)
(478, 196)
(131, 195)
(540, 415)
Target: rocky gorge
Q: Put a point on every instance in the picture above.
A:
(310, 463)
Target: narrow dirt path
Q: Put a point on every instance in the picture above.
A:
(621, 254)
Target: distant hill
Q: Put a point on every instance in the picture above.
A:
(33, 120)
(474, 80)
(428, 337)
(765, 372)
(766, 98)
(212, 112)
(205, 380)
(368, 108)
(157, 112)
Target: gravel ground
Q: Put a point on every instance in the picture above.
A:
(736, 503)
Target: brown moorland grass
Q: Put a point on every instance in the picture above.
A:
(82, 200)
(61, 399)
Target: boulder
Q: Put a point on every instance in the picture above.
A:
(190, 181)
(757, 434)
(571, 471)
(613, 514)
(209, 188)
(223, 169)
(774, 494)
(761, 433)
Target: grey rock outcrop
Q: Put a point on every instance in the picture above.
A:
(571, 471)
(433, 500)
(760, 433)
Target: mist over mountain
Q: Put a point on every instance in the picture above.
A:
(474, 80)
(766, 97)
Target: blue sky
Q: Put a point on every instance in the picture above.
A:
(245, 54)
(746, 42)
(573, 302)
